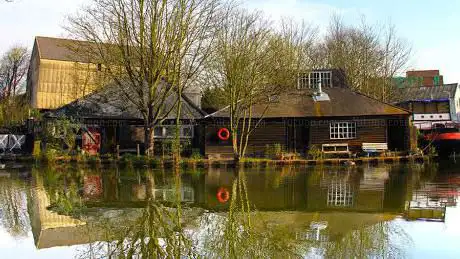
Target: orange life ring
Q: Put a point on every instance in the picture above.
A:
(223, 134)
(223, 195)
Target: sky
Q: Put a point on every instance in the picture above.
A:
(430, 27)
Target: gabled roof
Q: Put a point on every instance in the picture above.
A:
(425, 93)
(300, 103)
(109, 103)
(61, 49)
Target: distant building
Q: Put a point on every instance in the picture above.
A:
(431, 105)
(417, 78)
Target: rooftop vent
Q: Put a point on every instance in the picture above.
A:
(319, 95)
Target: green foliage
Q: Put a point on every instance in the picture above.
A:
(315, 153)
(273, 150)
(60, 134)
(196, 154)
(214, 99)
(15, 111)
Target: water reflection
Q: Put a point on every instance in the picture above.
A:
(226, 213)
(13, 205)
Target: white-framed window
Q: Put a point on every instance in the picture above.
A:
(342, 130)
(169, 131)
(339, 194)
(311, 79)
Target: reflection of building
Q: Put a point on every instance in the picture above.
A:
(430, 201)
(368, 189)
(49, 228)
(133, 191)
(170, 194)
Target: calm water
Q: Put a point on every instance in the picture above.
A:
(322, 212)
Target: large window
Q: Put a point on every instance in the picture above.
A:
(343, 130)
(169, 131)
(311, 80)
(339, 194)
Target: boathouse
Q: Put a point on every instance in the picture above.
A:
(430, 105)
(323, 113)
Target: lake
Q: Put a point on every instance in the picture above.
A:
(385, 211)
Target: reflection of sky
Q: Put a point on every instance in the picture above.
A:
(434, 239)
(25, 248)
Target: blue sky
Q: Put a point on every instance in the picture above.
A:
(431, 27)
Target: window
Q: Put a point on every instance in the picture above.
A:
(158, 132)
(339, 194)
(169, 131)
(343, 130)
(187, 131)
(311, 80)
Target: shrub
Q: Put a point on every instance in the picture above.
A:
(196, 155)
(315, 153)
(273, 151)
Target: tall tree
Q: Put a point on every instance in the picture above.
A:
(370, 55)
(251, 62)
(150, 49)
(13, 67)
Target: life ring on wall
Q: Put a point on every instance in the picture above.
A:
(223, 134)
(223, 195)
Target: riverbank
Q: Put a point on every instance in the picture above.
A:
(162, 162)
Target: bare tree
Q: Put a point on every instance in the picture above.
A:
(370, 55)
(252, 62)
(13, 66)
(149, 49)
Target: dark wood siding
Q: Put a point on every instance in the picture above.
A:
(312, 132)
(266, 133)
(367, 130)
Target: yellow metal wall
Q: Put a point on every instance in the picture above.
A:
(61, 82)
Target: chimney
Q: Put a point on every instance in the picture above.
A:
(319, 95)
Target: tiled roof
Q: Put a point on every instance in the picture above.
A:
(109, 103)
(299, 103)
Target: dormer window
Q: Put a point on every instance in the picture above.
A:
(312, 79)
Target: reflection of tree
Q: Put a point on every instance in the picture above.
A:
(242, 233)
(382, 240)
(13, 207)
(156, 232)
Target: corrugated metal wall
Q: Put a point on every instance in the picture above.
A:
(61, 82)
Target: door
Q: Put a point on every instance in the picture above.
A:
(92, 141)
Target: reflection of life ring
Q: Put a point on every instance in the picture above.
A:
(223, 134)
(223, 195)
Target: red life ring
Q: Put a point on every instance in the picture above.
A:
(223, 134)
(223, 195)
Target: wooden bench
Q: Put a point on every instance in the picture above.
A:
(375, 147)
(336, 148)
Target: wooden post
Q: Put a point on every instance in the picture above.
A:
(118, 151)
(138, 151)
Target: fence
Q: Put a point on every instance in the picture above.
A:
(10, 142)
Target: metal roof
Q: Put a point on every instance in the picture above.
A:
(426, 93)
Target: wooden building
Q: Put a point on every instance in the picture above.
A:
(109, 120)
(328, 115)
(65, 81)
